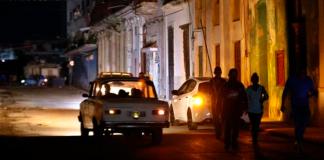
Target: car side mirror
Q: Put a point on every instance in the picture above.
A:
(175, 92)
(85, 95)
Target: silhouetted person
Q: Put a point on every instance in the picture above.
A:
(256, 96)
(216, 83)
(136, 93)
(300, 88)
(233, 101)
(106, 88)
(122, 93)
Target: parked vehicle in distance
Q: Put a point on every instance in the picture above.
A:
(35, 80)
(191, 103)
(121, 103)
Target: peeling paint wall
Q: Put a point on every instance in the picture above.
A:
(268, 35)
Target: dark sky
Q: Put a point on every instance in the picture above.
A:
(32, 20)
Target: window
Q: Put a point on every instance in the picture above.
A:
(215, 17)
(236, 10)
(217, 55)
(183, 88)
(200, 59)
(188, 86)
(191, 86)
(198, 13)
(237, 51)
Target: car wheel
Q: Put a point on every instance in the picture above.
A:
(191, 124)
(84, 131)
(172, 119)
(157, 136)
(97, 129)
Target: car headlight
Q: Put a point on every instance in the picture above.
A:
(197, 100)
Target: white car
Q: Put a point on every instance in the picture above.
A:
(120, 103)
(191, 103)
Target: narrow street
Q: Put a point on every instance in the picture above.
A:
(38, 132)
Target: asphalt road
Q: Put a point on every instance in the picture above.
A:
(45, 132)
(173, 147)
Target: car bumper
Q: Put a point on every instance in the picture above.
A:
(137, 125)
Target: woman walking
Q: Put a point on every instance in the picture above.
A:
(256, 96)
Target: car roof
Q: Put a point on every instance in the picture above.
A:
(119, 78)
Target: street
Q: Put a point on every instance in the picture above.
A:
(34, 131)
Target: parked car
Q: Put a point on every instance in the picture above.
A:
(191, 103)
(34, 80)
(121, 103)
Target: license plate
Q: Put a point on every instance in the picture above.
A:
(137, 114)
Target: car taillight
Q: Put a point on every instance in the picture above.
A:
(113, 111)
(197, 100)
(158, 112)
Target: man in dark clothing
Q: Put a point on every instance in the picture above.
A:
(300, 88)
(233, 100)
(216, 85)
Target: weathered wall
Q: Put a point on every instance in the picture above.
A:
(268, 35)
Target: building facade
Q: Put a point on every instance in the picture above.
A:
(178, 33)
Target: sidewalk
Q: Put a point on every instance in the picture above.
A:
(313, 134)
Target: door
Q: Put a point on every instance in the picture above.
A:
(181, 102)
(171, 60)
(186, 48)
(237, 51)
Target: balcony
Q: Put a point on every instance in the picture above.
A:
(146, 7)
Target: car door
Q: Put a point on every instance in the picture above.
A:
(181, 101)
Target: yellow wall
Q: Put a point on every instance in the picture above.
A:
(260, 37)
(321, 59)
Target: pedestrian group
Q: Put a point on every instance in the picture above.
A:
(231, 100)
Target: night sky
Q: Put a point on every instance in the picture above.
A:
(32, 20)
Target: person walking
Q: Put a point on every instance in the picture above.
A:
(256, 94)
(216, 83)
(300, 88)
(233, 101)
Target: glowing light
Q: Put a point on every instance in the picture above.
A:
(197, 100)
(136, 115)
(22, 81)
(3, 60)
(161, 112)
(111, 111)
(71, 63)
(45, 80)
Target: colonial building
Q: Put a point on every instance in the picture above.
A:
(82, 49)
(179, 50)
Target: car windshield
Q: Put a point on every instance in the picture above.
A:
(124, 89)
